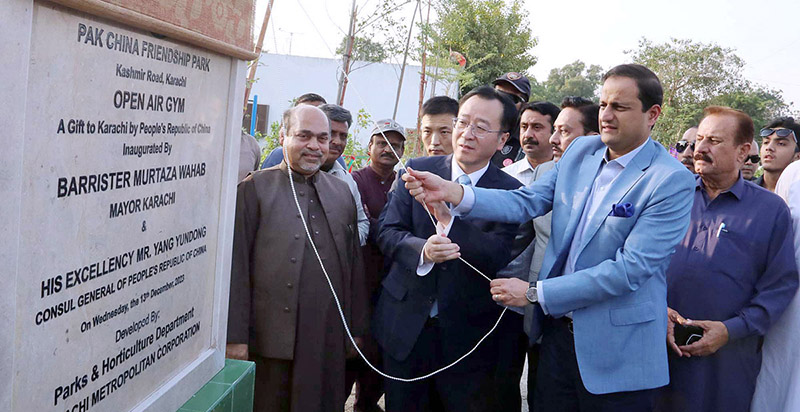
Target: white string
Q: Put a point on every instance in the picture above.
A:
(341, 312)
(325, 272)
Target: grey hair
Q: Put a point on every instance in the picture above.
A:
(337, 113)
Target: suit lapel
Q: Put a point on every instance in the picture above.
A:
(441, 168)
(580, 194)
(619, 188)
(444, 169)
(583, 187)
(489, 177)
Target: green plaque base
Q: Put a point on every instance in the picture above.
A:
(231, 390)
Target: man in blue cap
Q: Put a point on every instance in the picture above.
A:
(516, 87)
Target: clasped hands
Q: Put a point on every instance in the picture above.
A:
(715, 335)
(431, 190)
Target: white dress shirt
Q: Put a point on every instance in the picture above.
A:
(425, 267)
(521, 170)
(363, 222)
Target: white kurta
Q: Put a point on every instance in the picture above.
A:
(778, 385)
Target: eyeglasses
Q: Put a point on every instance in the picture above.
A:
(682, 145)
(752, 159)
(780, 132)
(514, 98)
(477, 131)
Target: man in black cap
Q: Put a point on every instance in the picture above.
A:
(517, 88)
(516, 85)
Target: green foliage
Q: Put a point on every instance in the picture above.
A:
(383, 26)
(695, 75)
(574, 79)
(493, 36)
(363, 121)
(269, 141)
(379, 34)
(761, 103)
(364, 49)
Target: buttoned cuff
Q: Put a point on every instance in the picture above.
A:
(540, 297)
(467, 202)
(737, 328)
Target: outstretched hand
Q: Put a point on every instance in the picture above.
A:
(429, 188)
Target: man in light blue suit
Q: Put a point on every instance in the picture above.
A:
(620, 205)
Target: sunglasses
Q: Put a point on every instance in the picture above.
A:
(754, 159)
(682, 145)
(514, 98)
(780, 132)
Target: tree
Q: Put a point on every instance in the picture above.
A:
(574, 79)
(365, 50)
(493, 36)
(376, 36)
(695, 75)
(761, 103)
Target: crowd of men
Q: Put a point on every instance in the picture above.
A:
(635, 281)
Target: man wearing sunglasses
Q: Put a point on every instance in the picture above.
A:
(685, 148)
(517, 88)
(751, 162)
(778, 148)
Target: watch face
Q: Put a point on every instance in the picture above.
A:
(531, 295)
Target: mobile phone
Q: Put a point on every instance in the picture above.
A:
(687, 334)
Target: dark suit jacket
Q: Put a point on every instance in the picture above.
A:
(466, 309)
(268, 244)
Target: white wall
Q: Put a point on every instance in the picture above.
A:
(282, 78)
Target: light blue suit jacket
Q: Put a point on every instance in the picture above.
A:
(618, 292)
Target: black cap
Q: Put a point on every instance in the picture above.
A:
(517, 80)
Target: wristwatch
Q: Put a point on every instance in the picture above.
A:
(531, 294)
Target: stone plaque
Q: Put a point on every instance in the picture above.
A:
(125, 210)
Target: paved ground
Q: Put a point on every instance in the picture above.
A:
(523, 387)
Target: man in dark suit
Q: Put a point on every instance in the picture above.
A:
(433, 309)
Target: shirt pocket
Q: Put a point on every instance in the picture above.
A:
(733, 255)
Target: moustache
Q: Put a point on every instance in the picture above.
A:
(315, 153)
(530, 140)
(703, 157)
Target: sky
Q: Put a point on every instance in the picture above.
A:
(596, 32)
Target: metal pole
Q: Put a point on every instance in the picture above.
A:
(259, 44)
(253, 115)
